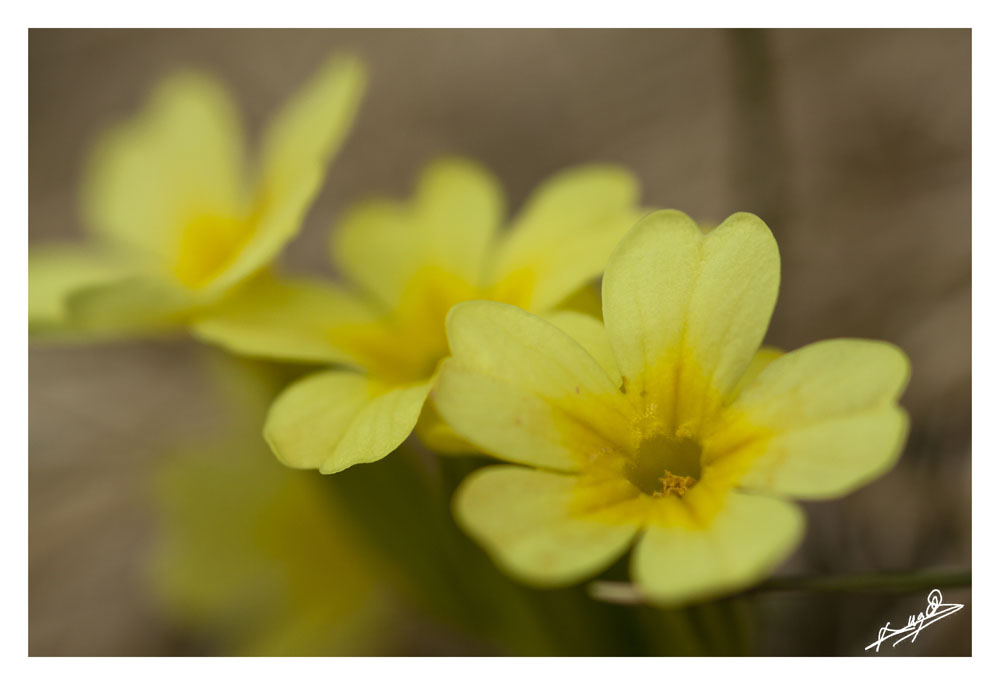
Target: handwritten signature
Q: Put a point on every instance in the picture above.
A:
(935, 612)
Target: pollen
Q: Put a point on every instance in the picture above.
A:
(671, 484)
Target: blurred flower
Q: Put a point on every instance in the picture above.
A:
(179, 214)
(668, 430)
(410, 262)
(256, 559)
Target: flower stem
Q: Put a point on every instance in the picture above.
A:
(906, 581)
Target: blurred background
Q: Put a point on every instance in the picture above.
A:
(853, 145)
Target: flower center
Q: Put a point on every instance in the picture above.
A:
(665, 465)
(206, 246)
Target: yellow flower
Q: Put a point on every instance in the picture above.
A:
(673, 430)
(179, 215)
(409, 263)
(246, 549)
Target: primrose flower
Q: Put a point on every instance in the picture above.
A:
(245, 548)
(409, 263)
(671, 429)
(179, 215)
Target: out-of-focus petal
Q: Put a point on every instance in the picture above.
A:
(285, 319)
(449, 224)
(564, 235)
(57, 271)
(181, 160)
(297, 149)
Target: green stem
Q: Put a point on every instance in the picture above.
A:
(906, 581)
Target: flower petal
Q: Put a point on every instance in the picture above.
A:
(438, 436)
(523, 390)
(586, 300)
(564, 235)
(336, 419)
(522, 517)
(590, 333)
(830, 412)
(312, 125)
(57, 271)
(765, 355)
(453, 216)
(288, 319)
(686, 311)
(180, 160)
(137, 305)
(743, 543)
(297, 149)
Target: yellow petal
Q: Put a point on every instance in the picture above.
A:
(448, 225)
(586, 300)
(336, 419)
(742, 545)
(522, 518)
(312, 125)
(246, 548)
(765, 355)
(180, 160)
(458, 206)
(521, 389)
(297, 149)
(288, 319)
(686, 311)
(57, 271)
(139, 305)
(564, 235)
(438, 436)
(830, 412)
(590, 333)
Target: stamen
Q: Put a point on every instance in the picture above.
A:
(674, 485)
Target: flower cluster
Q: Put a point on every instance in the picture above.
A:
(646, 415)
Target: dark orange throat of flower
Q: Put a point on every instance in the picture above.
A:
(665, 465)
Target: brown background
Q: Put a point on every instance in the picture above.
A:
(854, 146)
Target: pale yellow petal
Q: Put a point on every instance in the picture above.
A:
(57, 271)
(765, 355)
(245, 548)
(521, 389)
(311, 127)
(286, 319)
(829, 416)
(142, 305)
(586, 300)
(742, 545)
(590, 333)
(564, 235)
(179, 161)
(336, 419)
(686, 310)
(522, 518)
(382, 245)
(459, 206)
(438, 436)
(297, 148)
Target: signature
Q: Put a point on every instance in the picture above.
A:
(935, 612)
